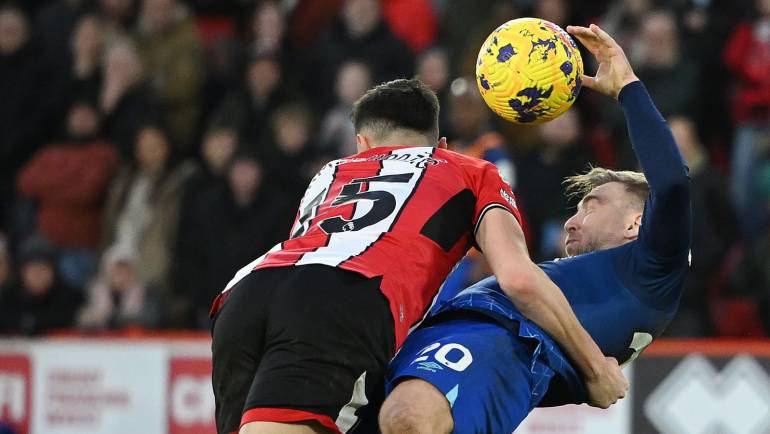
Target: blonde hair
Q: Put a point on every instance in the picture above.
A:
(578, 186)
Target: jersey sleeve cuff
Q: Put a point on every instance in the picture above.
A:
(484, 211)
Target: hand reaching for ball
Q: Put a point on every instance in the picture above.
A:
(614, 69)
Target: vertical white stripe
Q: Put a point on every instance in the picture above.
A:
(344, 245)
(347, 417)
(320, 183)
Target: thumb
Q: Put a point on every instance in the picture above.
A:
(588, 81)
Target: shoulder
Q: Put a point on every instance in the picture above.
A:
(466, 162)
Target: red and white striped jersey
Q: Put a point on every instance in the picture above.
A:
(407, 214)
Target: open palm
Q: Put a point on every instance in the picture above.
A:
(614, 71)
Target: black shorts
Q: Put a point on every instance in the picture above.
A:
(307, 343)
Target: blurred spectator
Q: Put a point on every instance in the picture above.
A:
(25, 110)
(119, 16)
(433, 70)
(118, 298)
(40, 302)
(560, 153)
(747, 54)
(268, 30)
(242, 220)
(87, 53)
(358, 32)
(248, 109)
(125, 100)
(338, 136)
(142, 210)
(414, 21)
(68, 180)
(669, 74)
(218, 148)
(296, 159)
(474, 134)
(558, 12)
(714, 231)
(623, 20)
(171, 53)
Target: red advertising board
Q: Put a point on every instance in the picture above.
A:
(190, 398)
(15, 391)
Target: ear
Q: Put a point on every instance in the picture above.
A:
(442, 143)
(363, 143)
(631, 231)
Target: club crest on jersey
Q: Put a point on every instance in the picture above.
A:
(508, 198)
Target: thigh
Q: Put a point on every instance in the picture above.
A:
(328, 341)
(482, 370)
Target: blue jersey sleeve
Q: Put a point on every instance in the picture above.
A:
(666, 222)
(656, 265)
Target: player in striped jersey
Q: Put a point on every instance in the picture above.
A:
(302, 335)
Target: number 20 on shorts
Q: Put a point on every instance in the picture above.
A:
(453, 356)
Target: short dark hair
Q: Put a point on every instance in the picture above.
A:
(406, 104)
(635, 183)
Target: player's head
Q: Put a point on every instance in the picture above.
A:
(609, 212)
(399, 112)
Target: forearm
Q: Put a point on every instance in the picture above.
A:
(666, 224)
(652, 140)
(533, 293)
(540, 300)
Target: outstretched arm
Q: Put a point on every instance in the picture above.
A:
(666, 222)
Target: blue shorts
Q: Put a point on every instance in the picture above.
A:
(486, 372)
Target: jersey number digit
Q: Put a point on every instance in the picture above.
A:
(443, 355)
(639, 342)
(308, 213)
(383, 203)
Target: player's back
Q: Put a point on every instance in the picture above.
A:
(407, 214)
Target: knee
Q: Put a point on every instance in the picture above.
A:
(416, 408)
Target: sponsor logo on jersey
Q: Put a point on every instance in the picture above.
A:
(430, 366)
(508, 198)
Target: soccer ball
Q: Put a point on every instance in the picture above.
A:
(529, 70)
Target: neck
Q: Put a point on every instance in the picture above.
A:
(403, 139)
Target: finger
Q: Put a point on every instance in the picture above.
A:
(603, 36)
(585, 36)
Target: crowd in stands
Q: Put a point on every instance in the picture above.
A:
(150, 148)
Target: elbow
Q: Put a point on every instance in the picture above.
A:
(677, 188)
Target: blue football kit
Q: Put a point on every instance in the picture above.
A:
(494, 365)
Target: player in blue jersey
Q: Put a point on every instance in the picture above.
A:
(478, 365)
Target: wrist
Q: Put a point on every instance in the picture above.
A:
(626, 83)
(592, 372)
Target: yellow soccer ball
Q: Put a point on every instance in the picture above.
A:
(529, 70)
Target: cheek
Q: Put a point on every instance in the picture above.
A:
(598, 224)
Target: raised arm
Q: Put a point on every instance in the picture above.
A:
(666, 227)
(539, 299)
(666, 221)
